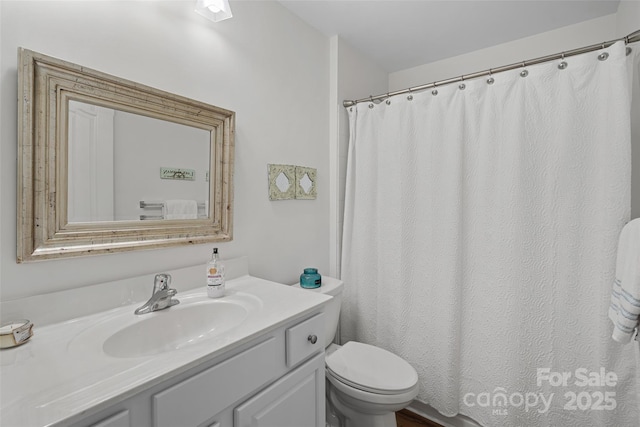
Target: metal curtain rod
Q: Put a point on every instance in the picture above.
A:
(631, 38)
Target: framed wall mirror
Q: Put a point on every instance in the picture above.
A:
(108, 165)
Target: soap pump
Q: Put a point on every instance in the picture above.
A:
(215, 276)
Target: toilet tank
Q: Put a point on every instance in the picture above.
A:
(332, 287)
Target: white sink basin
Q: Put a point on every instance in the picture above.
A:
(196, 319)
(174, 328)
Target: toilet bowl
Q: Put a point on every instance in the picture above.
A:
(366, 384)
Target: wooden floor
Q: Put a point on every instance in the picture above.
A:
(406, 418)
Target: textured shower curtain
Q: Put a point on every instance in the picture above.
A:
(480, 236)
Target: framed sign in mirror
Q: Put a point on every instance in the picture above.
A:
(94, 156)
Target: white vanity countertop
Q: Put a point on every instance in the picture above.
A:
(62, 371)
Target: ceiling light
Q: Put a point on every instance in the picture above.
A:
(215, 10)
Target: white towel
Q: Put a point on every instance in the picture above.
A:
(624, 310)
(180, 209)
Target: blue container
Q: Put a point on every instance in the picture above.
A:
(310, 279)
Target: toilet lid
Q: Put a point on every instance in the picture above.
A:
(371, 368)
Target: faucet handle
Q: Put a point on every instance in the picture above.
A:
(161, 282)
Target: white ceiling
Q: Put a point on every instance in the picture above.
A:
(399, 34)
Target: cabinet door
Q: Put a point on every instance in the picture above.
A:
(295, 400)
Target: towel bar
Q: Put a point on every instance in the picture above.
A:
(160, 205)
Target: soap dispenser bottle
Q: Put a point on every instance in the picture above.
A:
(215, 276)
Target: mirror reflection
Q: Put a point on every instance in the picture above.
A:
(124, 166)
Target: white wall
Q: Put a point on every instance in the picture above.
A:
(264, 64)
(160, 144)
(628, 17)
(353, 75)
(565, 38)
(1, 139)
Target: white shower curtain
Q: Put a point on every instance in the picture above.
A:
(480, 233)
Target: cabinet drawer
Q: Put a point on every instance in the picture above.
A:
(304, 339)
(202, 396)
(121, 419)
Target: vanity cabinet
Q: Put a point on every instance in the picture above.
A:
(274, 380)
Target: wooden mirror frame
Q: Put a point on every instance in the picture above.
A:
(45, 85)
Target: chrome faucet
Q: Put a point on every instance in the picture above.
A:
(161, 297)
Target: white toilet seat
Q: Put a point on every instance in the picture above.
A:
(371, 373)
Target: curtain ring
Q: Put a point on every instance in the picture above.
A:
(388, 101)
(462, 86)
(563, 64)
(434, 92)
(524, 73)
(490, 80)
(371, 101)
(410, 96)
(604, 55)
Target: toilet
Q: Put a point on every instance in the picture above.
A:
(366, 384)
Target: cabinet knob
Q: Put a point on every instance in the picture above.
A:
(312, 339)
